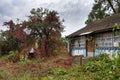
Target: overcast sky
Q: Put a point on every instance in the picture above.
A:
(74, 12)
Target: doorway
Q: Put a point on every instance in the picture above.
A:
(90, 46)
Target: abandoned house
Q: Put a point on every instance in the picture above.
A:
(95, 38)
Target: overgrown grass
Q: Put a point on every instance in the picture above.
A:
(24, 69)
(98, 68)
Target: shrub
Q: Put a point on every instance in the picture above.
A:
(13, 56)
(98, 68)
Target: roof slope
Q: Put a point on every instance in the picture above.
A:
(104, 24)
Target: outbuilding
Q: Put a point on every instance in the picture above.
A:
(95, 38)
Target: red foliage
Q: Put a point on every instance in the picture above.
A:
(15, 30)
(20, 34)
(54, 33)
(51, 17)
(10, 23)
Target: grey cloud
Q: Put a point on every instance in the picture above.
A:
(71, 11)
(19, 2)
(74, 12)
(12, 9)
(5, 9)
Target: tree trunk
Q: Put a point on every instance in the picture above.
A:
(46, 46)
(109, 1)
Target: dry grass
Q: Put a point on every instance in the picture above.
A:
(33, 69)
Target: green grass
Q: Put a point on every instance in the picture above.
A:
(98, 68)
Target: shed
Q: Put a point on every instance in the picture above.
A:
(95, 38)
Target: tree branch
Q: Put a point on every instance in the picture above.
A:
(111, 6)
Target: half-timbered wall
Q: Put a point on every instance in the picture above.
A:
(79, 46)
(104, 40)
(106, 43)
(80, 42)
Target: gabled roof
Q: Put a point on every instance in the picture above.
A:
(99, 25)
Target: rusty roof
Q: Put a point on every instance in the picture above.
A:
(99, 25)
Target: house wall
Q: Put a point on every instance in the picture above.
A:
(79, 46)
(68, 46)
(106, 43)
(79, 51)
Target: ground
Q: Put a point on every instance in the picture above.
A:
(35, 68)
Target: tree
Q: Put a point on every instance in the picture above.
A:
(102, 9)
(15, 35)
(44, 25)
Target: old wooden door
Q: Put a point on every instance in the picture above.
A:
(90, 46)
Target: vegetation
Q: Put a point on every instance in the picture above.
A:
(102, 9)
(116, 29)
(46, 27)
(41, 31)
(30, 69)
(98, 68)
